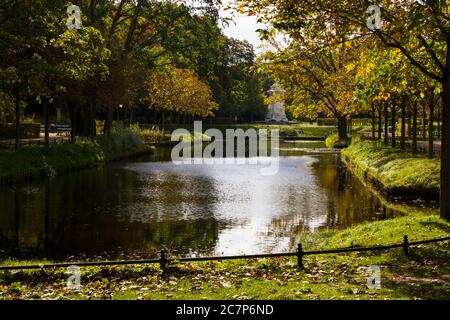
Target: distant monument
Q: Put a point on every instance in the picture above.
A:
(276, 111)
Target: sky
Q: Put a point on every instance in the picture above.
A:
(244, 28)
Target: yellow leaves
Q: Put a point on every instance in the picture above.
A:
(350, 67)
(362, 72)
(180, 90)
(371, 66)
(437, 90)
(348, 44)
(384, 96)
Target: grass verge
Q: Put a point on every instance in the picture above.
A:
(424, 274)
(300, 130)
(393, 171)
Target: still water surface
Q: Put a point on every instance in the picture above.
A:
(134, 208)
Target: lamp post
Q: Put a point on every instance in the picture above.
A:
(118, 111)
(47, 120)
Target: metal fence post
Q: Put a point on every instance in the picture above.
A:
(300, 257)
(405, 244)
(163, 260)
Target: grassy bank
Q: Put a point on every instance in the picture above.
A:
(32, 161)
(392, 171)
(333, 141)
(422, 275)
(301, 130)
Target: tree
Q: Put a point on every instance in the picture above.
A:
(236, 85)
(21, 42)
(141, 35)
(82, 63)
(180, 91)
(318, 80)
(41, 57)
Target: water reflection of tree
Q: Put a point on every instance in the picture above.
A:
(89, 212)
(349, 201)
(288, 226)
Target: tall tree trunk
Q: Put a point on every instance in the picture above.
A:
(445, 151)
(163, 120)
(380, 121)
(108, 122)
(403, 128)
(430, 131)
(73, 122)
(414, 128)
(349, 125)
(93, 126)
(386, 122)
(17, 121)
(438, 136)
(394, 124)
(424, 123)
(92, 7)
(342, 128)
(47, 122)
(409, 123)
(373, 120)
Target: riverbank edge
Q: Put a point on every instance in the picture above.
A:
(334, 276)
(50, 166)
(374, 180)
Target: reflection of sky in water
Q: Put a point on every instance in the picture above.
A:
(257, 212)
(134, 208)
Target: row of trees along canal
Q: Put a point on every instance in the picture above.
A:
(147, 56)
(337, 63)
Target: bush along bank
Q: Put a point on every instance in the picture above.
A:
(35, 161)
(392, 171)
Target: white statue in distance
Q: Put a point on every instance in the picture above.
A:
(276, 111)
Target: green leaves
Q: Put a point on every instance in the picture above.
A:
(84, 54)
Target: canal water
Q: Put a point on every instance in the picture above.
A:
(133, 209)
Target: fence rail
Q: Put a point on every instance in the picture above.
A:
(164, 259)
(10, 143)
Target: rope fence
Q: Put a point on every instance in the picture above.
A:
(164, 260)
